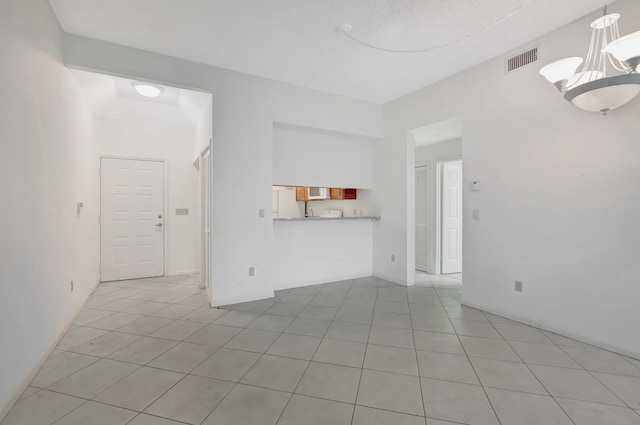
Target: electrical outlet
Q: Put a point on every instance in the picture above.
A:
(518, 286)
(393, 258)
(261, 212)
(71, 286)
(252, 271)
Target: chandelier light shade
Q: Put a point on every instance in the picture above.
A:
(592, 88)
(561, 70)
(626, 49)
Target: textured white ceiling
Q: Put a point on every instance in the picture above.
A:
(115, 98)
(295, 40)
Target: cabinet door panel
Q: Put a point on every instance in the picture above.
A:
(350, 193)
(301, 194)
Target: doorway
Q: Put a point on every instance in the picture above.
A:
(132, 211)
(133, 133)
(435, 153)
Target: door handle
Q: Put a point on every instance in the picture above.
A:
(159, 225)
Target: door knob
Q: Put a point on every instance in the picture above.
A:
(159, 225)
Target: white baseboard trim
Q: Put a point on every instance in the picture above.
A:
(219, 302)
(322, 280)
(391, 279)
(561, 332)
(25, 383)
(182, 272)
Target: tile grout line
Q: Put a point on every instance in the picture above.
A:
(474, 371)
(310, 361)
(599, 381)
(366, 349)
(415, 354)
(534, 375)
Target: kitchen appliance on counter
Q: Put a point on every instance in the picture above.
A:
(318, 193)
(331, 214)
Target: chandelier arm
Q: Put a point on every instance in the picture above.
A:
(602, 41)
(590, 54)
(586, 63)
(441, 46)
(617, 65)
(599, 64)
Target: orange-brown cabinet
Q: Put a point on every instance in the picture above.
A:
(301, 194)
(339, 193)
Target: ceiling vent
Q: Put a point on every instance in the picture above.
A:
(525, 58)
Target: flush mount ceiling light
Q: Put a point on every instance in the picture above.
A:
(592, 89)
(147, 90)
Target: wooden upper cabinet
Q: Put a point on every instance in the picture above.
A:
(336, 193)
(349, 193)
(301, 194)
(339, 193)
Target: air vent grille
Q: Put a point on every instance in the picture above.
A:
(522, 59)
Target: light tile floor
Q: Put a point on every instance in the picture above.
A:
(361, 352)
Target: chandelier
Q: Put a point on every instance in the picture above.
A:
(592, 88)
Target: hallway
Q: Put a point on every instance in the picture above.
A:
(360, 352)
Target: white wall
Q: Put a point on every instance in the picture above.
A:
(245, 109)
(307, 157)
(204, 129)
(559, 204)
(312, 252)
(47, 164)
(176, 146)
(431, 155)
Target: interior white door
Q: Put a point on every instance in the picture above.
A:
(422, 218)
(131, 219)
(452, 217)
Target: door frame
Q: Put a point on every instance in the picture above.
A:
(429, 218)
(205, 261)
(165, 198)
(439, 194)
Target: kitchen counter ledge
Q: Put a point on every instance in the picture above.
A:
(327, 218)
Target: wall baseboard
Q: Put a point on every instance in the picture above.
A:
(4, 411)
(219, 302)
(561, 332)
(392, 279)
(182, 272)
(312, 282)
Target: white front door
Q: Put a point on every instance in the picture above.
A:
(131, 219)
(452, 217)
(422, 218)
